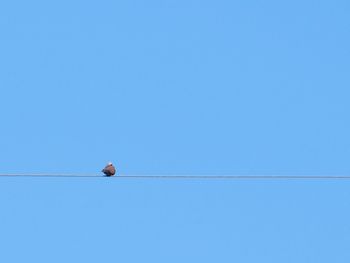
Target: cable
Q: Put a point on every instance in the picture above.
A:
(191, 177)
(256, 177)
(48, 175)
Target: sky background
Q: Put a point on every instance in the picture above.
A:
(174, 87)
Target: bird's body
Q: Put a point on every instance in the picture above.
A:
(109, 170)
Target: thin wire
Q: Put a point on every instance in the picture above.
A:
(191, 177)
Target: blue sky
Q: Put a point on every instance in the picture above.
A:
(174, 87)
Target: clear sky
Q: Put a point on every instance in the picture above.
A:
(174, 87)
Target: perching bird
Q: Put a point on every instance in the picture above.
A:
(109, 170)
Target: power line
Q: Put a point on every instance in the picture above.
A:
(256, 177)
(190, 177)
(48, 175)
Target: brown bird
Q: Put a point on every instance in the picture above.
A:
(109, 170)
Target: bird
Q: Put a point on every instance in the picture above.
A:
(109, 170)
